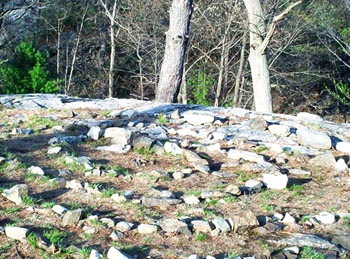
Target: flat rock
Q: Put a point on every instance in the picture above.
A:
(119, 136)
(116, 148)
(221, 223)
(17, 233)
(236, 154)
(142, 141)
(326, 160)
(309, 117)
(16, 193)
(71, 217)
(198, 117)
(95, 133)
(124, 226)
(342, 240)
(59, 209)
(341, 165)
(191, 200)
(114, 253)
(343, 147)
(258, 123)
(174, 226)
(201, 226)
(145, 229)
(314, 139)
(243, 221)
(36, 170)
(301, 240)
(160, 202)
(325, 218)
(172, 148)
(275, 182)
(279, 130)
(94, 254)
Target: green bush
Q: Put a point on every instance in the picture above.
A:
(200, 86)
(26, 72)
(341, 92)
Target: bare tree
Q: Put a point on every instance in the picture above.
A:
(176, 43)
(259, 39)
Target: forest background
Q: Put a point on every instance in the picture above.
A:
(65, 46)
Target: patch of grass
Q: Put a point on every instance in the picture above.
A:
(230, 199)
(296, 189)
(29, 177)
(201, 237)
(3, 167)
(304, 219)
(310, 253)
(74, 205)
(211, 202)
(194, 192)
(210, 213)
(85, 252)
(33, 240)
(48, 204)
(4, 247)
(129, 248)
(10, 211)
(37, 121)
(243, 176)
(268, 207)
(162, 118)
(29, 201)
(261, 148)
(107, 193)
(54, 236)
(147, 152)
(96, 223)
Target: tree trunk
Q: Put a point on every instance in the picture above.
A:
(240, 70)
(257, 57)
(175, 48)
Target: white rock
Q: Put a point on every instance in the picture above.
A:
(147, 229)
(36, 170)
(191, 200)
(178, 175)
(119, 136)
(198, 117)
(201, 226)
(313, 139)
(115, 236)
(218, 135)
(59, 209)
(343, 147)
(325, 218)
(215, 148)
(341, 165)
(288, 219)
(279, 130)
(275, 182)
(16, 193)
(89, 230)
(54, 150)
(193, 257)
(236, 154)
(172, 148)
(210, 257)
(277, 148)
(94, 133)
(308, 117)
(124, 226)
(295, 171)
(95, 255)
(74, 184)
(16, 233)
(254, 184)
(114, 253)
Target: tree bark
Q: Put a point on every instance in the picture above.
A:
(175, 48)
(257, 57)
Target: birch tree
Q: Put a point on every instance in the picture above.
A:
(259, 40)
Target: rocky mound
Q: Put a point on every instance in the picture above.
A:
(118, 178)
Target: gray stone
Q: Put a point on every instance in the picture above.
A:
(308, 117)
(191, 200)
(16, 193)
(324, 160)
(17, 233)
(108, 222)
(178, 175)
(243, 221)
(258, 123)
(142, 141)
(71, 217)
(192, 157)
(95, 133)
(343, 147)
(198, 117)
(233, 189)
(175, 226)
(342, 240)
(236, 154)
(275, 182)
(288, 219)
(301, 240)
(116, 235)
(162, 203)
(54, 150)
(254, 185)
(119, 136)
(341, 166)
(124, 226)
(295, 171)
(145, 229)
(201, 226)
(313, 139)
(221, 224)
(175, 115)
(201, 168)
(67, 139)
(114, 253)
(211, 194)
(279, 130)
(95, 255)
(59, 209)
(325, 218)
(193, 257)
(74, 184)
(118, 198)
(172, 148)
(36, 170)
(120, 149)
